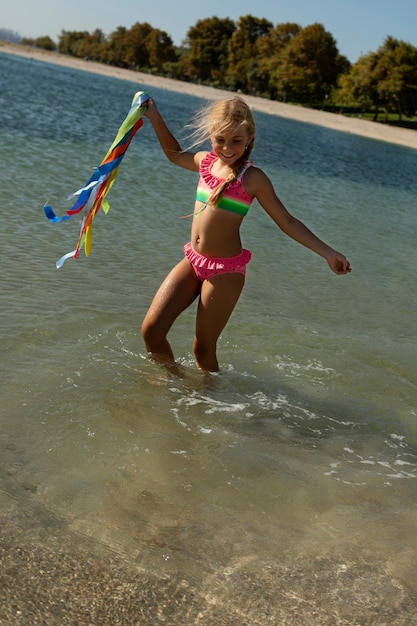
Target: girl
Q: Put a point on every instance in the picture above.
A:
(214, 265)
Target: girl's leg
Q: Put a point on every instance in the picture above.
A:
(218, 298)
(179, 289)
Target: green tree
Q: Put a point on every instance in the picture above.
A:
(114, 48)
(92, 45)
(207, 59)
(384, 79)
(136, 53)
(396, 77)
(70, 42)
(310, 66)
(269, 51)
(243, 71)
(45, 42)
(359, 86)
(161, 50)
(345, 92)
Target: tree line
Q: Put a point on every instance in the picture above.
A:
(286, 62)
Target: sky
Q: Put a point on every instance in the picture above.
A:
(358, 26)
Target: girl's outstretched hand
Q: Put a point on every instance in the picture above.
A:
(338, 263)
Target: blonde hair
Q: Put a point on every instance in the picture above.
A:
(218, 117)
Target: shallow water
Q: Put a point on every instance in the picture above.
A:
(304, 446)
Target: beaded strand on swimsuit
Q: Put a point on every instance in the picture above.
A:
(194, 214)
(218, 192)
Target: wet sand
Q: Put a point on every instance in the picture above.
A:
(51, 574)
(357, 126)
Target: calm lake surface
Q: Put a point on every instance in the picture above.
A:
(303, 450)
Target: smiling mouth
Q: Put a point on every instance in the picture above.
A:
(228, 156)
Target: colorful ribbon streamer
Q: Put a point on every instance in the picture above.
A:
(92, 196)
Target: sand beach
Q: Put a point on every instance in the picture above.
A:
(356, 126)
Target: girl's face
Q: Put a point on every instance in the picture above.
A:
(230, 143)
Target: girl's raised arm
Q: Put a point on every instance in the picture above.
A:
(168, 142)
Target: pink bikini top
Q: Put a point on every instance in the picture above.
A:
(234, 197)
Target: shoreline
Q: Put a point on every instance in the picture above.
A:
(364, 128)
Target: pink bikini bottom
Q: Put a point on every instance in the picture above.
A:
(205, 266)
